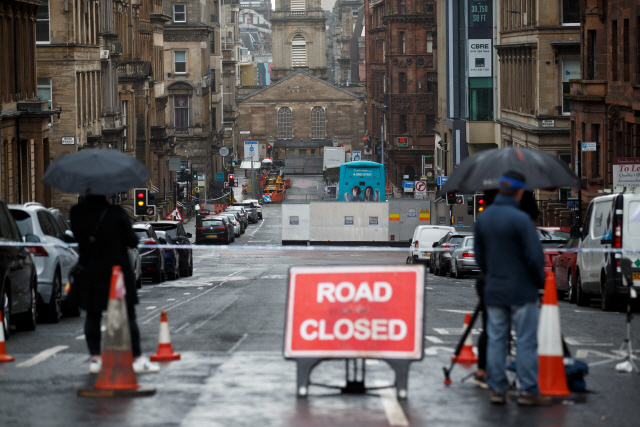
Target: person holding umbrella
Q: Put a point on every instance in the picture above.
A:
(103, 233)
(510, 256)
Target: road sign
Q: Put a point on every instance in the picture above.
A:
(219, 176)
(442, 180)
(235, 182)
(251, 150)
(174, 163)
(408, 184)
(588, 146)
(356, 156)
(335, 141)
(368, 151)
(364, 138)
(345, 312)
(266, 198)
(175, 215)
(223, 151)
(421, 190)
(151, 210)
(270, 140)
(201, 177)
(226, 184)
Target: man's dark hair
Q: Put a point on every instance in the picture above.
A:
(357, 188)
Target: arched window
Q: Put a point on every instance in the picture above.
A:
(317, 123)
(299, 51)
(284, 123)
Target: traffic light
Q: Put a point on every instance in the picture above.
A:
(478, 205)
(269, 150)
(453, 198)
(470, 202)
(230, 178)
(194, 174)
(140, 197)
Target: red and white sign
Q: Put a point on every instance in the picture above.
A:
(421, 186)
(175, 215)
(346, 312)
(626, 172)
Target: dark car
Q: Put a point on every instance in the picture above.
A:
(171, 257)
(441, 257)
(19, 286)
(213, 230)
(228, 223)
(564, 267)
(152, 256)
(552, 238)
(175, 229)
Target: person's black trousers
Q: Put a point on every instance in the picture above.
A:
(93, 336)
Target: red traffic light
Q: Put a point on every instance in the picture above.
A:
(481, 201)
(230, 177)
(269, 147)
(140, 195)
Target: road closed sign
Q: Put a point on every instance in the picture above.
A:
(355, 312)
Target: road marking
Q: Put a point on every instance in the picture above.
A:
(433, 351)
(454, 331)
(237, 343)
(393, 410)
(187, 293)
(80, 337)
(43, 355)
(151, 307)
(585, 342)
(171, 299)
(433, 339)
(455, 311)
(274, 276)
(181, 328)
(256, 230)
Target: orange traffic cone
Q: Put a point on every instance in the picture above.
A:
(552, 379)
(116, 377)
(466, 353)
(4, 357)
(165, 351)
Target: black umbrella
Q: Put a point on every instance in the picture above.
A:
(481, 171)
(92, 171)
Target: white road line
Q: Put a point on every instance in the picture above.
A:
(181, 328)
(393, 410)
(256, 230)
(433, 339)
(80, 337)
(456, 311)
(151, 307)
(171, 299)
(238, 343)
(43, 355)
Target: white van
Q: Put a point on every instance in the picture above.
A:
(421, 244)
(607, 226)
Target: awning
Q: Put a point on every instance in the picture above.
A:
(246, 164)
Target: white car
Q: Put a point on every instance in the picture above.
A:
(256, 204)
(237, 228)
(421, 244)
(53, 263)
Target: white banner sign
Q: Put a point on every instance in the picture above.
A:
(251, 150)
(480, 58)
(626, 172)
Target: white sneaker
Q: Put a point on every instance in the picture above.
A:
(95, 366)
(142, 365)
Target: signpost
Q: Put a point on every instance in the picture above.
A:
(223, 151)
(354, 313)
(626, 172)
(442, 180)
(174, 163)
(589, 146)
(68, 140)
(421, 190)
(408, 186)
(356, 156)
(251, 151)
(335, 141)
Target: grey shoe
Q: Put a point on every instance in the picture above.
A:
(480, 381)
(525, 399)
(498, 397)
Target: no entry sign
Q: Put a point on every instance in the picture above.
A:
(355, 312)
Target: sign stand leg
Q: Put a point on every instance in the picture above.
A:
(354, 385)
(305, 366)
(401, 368)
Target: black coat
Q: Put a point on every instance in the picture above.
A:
(113, 237)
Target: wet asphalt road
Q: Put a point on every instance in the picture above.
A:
(227, 321)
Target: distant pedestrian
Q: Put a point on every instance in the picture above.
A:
(104, 233)
(510, 255)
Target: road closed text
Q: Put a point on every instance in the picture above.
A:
(346, 311)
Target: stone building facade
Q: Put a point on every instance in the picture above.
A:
(24, 119)
(605, 106)
(231, 44)
(343, 31)
(401, 85)
(302, 114)
(298, 32)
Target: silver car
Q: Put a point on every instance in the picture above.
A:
(463, 259)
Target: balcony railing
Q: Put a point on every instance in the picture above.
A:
(134, 69)
(181, 131)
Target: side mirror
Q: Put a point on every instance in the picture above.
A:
(69, 237)
(434, 244)
(162, 241)
(188, 235)
(31, 238)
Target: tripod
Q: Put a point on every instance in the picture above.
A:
(628, 364)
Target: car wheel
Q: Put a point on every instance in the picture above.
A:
(607, 300)
(53, 311)
(190, 266)
(582, 299)
(409, 260)
(27, 321)
(459, 273)
(571, 293)
(6, 310)
(453, 273)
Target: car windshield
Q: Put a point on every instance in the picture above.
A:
(170, 229)
(456, 240)
(142, 234)
(23, 221)
(212, 223)
(469, 242)
(553, 235)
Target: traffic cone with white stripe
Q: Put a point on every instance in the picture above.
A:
(165, 351)
(552, 379)
(4, 357)
(466, 353)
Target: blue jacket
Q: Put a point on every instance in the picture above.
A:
(508, 250)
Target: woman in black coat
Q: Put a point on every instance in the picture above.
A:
(109, 225)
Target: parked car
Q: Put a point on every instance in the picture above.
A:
(421, 245)
(136, 263)
(19, 286)
(53, 261)
(171, 257)
(213, 230)
(176, 230)
(244, 215)
(252, 212)
(441, 256)
(227, 222)
(565, 268)
(238, 218)
(463, 259)
(552, 238)
(256, 204)
(607, 227)
(152, 256)
(234, 221)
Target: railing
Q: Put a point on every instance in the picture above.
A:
(134, 69)
(298, 12)
(299, 63)
(181, 131)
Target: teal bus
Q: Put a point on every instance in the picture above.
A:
(361, 182)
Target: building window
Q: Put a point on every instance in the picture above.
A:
(481, 99)
(625, 51)
(403, 46)
(570, 70)
(570, 12)
(591, 54)
(354, 11)
(180, 62)
(284, 123)
(597, 159)
(430, 123)
(179, 13)
(432, 82)
(299, 51)
(428, 8)
(402, 82)
(181, 109)
(402, 123)
(614, 50)
(402, 7)
(302, 153)
(124, 122)
(44, 89)
(298, 5)
(429, 42)
(317, 123)
(42, 23)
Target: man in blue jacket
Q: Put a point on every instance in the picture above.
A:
(508, 250)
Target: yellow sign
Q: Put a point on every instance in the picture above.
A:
(423, 211)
